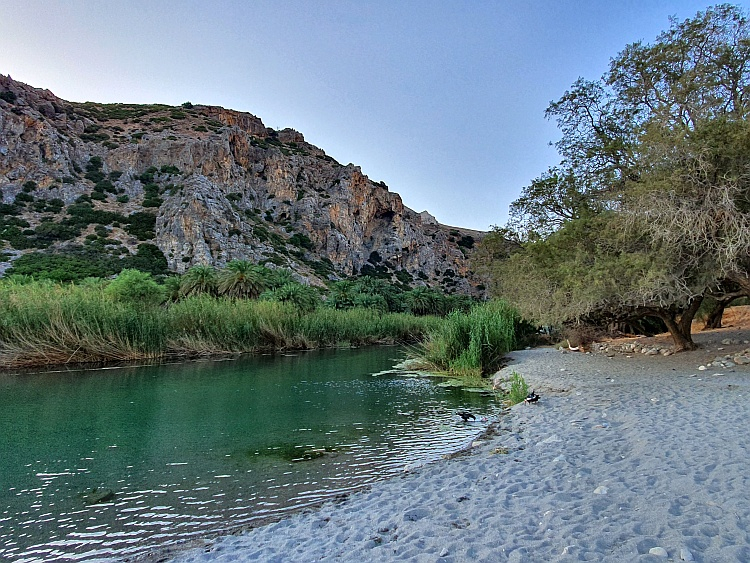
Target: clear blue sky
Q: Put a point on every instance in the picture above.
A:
(442, 100)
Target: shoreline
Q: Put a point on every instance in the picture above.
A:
(621, 459)
(176, 358)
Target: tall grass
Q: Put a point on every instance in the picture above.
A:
(46, 323)
(471, 344)
(519, 389)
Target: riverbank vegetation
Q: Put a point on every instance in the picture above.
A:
(44, 323)
(647, 216)
(471, 343)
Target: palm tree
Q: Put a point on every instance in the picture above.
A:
(304, 297)
(198, 280)
(371, 301)
(369, 285)
(342, 295)
(241, 279)
(278, 277)
(423, 301)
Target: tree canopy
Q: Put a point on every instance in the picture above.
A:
(647, 211)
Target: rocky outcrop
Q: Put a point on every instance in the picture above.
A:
(221, 185)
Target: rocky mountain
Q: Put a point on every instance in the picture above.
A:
(205, 185)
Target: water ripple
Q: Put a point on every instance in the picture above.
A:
(197, 457)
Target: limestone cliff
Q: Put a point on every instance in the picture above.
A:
(220, 185)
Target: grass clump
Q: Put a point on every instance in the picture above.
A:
(471, 343)
(518, 389)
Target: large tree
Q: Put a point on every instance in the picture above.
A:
(648, 209)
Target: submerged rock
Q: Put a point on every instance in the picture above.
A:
(98, 496)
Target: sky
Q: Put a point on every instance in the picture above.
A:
(442, 100)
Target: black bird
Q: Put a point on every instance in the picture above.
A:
(466, 416)
(531, 398)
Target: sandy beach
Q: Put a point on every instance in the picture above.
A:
(623, 459)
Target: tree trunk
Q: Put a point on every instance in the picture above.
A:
(714, 318)
(681, 329)
(722, 302)
(682, 341)
(686, 319)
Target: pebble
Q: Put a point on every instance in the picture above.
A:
(702, 368)
(444, 552)
(658, 551)
(601, 490)
(686, 554)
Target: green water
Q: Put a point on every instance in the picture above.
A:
(192, 449)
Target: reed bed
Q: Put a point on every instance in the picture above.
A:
(471, 344)
(43, 323)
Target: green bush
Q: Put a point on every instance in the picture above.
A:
(49, 232)
(83, 214)
(141, 225)
(152, 202)
(54, 205)
(135, 287)
(8, 96)
(63, 267)
(301, 240)
(148, 258)
(105, 186)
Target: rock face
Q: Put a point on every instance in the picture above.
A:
(221, 185)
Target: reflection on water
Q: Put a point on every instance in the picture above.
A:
(112, 463)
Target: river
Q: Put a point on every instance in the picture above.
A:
(192, 449)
